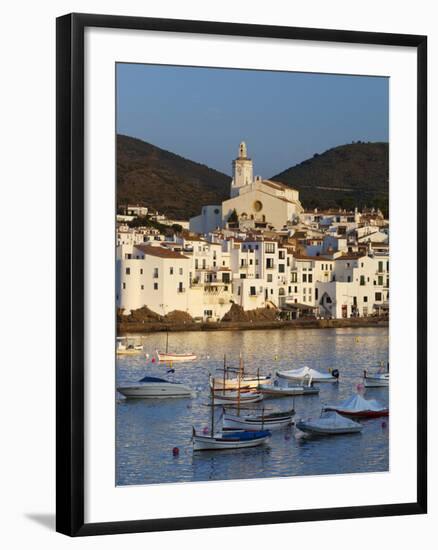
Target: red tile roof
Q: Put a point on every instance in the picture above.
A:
(160, 252)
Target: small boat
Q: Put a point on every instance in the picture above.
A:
(376, 380)
(232, 440)
(306, 373)
(150, 387)
(175, 357)
(263, 421)
(233, 383)
(125, 348)
(236, 397)
(275, 390)
(166, 357)
(358, 406)
(329, 423)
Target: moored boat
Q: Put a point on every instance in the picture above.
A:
(358, 406)
(247, 381)
(329, 423)
(272, 390)
(151, 387)
(232, 440)
(263, 421)
(305, 374)
(175, 357)
(376, 380)
(124, 347)
(236, 397)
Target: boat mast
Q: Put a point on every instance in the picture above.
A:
(212, 409)
(238, 385)
(224, 378)
(167, 341)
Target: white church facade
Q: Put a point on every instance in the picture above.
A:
(254, 200)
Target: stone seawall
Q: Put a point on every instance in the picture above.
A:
(139, 327)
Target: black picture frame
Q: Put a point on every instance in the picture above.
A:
(70, 273)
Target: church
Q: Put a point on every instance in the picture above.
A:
(257, 202)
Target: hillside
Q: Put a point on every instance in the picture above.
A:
(153, 177)
(345, 176)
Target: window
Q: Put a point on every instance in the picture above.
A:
(304, 298)
(180, 270)
(281, 268)
(304, 277)
(208, 312)
(378, 296)
(155, 286)
(270, 248)
(293, 277)
(141, 271)
(180, 287)
(269, 278)
(203, 263)
(256, 261)
(124, 285)
(242, 276)
(155, 272)
(310, 278)
(272, 291)
(380, 280)
(171, 270)
(196, 263)
(142, 287)
(304, 290)
(348, 279)
(295, 289)
(362, 280)
(252, 291)
(380, 269)
(269, 263)
(281, 254)
(128, 271)
(316, 293)
(365, 299)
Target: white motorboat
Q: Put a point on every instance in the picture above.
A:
(329, 423)
(150, 387)
(358, 406)
(256, 422)
(231, 440)
(275, 390)
(305, 373)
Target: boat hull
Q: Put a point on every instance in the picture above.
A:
(233, 383)
(303, 379)
(315, 430)
(359, 414)
(207, 443)
(155, 391)
(237, 423)
(234, 400)
(175, 357)
(272, 391)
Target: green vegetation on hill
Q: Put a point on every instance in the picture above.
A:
(350, 175)
(158, 179)
(343, 177)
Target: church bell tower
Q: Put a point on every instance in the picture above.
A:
(242, 170)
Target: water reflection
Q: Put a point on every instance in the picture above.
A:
(148, 430)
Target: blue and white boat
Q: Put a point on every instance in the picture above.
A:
(231, 440)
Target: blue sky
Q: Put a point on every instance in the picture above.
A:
(203, 114)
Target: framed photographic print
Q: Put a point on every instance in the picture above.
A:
(241, 274)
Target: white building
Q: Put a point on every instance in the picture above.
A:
(257, 202)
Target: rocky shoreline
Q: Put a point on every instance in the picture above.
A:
(146, 327)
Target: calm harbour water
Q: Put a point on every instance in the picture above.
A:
(148, 429)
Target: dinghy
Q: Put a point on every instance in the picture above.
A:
(358, 406)
(150, 387)
(306, 373)
(233, 383)
(256, 422)
(329, 423)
